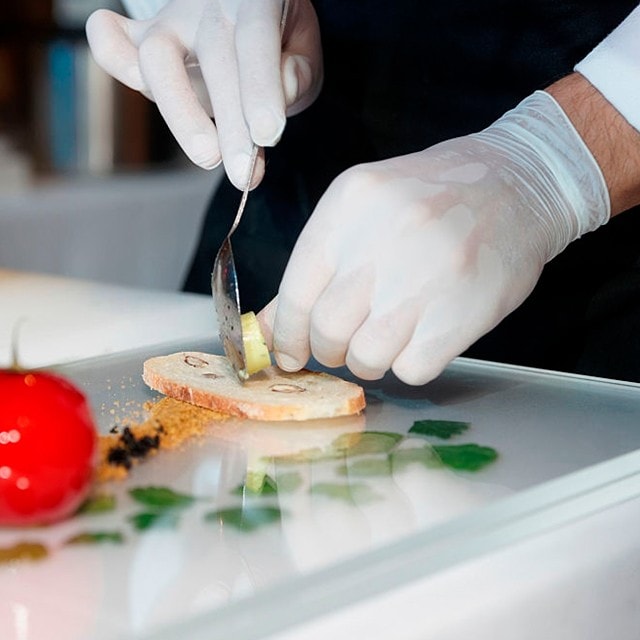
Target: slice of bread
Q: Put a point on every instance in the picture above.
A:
(209, 381)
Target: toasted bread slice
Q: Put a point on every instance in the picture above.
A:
(209, 381)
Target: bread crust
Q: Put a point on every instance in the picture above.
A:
(209, 381)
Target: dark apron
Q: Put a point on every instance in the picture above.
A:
(401, 76)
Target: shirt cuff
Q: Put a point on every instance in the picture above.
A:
(613, 68)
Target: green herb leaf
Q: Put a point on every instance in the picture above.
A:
(465, 457)
(355, 492)
(246, 518)
(161, 497)
(257, 484)
(367, 442)
(100, 503)
(444, 429)
(286, 483)
(156, 519)
(96, 537)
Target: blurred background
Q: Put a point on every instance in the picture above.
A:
(58, 111)
(92, 184)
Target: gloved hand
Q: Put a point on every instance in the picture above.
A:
(406, 262)
(254, 75)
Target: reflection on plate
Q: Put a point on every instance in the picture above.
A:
(245, 505)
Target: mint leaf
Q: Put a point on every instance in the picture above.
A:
(465, 457)
(161, 497)
(367, 442)
(246, 518)
(155, 519)
(94, 505)
(443, 429)
(96, 537)
(258, 485)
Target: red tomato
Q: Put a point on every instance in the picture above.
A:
(47, 447)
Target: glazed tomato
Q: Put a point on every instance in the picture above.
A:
(47, 446)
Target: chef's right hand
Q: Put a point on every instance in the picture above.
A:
(254, 76)
(407, 261)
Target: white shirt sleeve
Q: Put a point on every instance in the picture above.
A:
(613, 67)
(142, 9)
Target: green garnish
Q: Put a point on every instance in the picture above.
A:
(161, 497)
(257, 484)
(155, 519)
(443, 429)
(96, 537)
(465, 457)
(246, 518)
(265, 485)
(367, 442)
(100, 503)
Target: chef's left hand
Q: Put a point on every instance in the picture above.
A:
(250, 76)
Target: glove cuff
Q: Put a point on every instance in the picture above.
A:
(555, 167)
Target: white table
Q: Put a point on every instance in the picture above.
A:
(61, 319)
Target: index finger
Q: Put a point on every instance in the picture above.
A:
(308, 273)
(259, 50)
(162, 62)
(112, 40)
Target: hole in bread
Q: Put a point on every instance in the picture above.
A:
(208, 374)
(286, 388)
(194, 361)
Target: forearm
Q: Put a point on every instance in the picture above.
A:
(614, 143)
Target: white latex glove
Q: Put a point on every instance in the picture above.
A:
(406, 262)
(254, 76)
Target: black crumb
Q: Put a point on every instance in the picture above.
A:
(130, 447)
(114, 429)
(119, 457)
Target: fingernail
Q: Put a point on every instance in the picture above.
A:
(203, 150)
(238, 169)
(286, 362)
(296, 75)
(266, 127)
(290, 82)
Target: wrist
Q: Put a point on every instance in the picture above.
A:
(614, 143)
(556, 181)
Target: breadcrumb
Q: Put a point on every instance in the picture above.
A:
(168, 424)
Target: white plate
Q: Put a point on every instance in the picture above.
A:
(349, 526)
